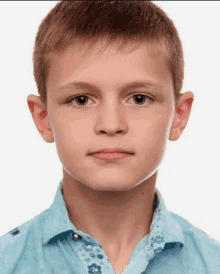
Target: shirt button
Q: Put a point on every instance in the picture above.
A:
(76, 236)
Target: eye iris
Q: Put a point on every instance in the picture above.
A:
(80, 100)
(138, 98)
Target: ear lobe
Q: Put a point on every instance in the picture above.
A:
(175, 132)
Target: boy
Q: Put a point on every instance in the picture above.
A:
(108, 216)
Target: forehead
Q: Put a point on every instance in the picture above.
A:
(102, 59)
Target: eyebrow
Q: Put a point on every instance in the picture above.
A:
(81, 84)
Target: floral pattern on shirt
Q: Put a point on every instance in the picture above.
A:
(94, 269)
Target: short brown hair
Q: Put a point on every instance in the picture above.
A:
(86, 23)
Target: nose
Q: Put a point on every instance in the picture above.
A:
(111, 120)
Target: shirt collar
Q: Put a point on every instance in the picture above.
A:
(171, 228)
(57, 221)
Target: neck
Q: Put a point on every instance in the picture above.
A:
(117, 220)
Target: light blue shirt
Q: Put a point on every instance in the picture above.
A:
(50, 244)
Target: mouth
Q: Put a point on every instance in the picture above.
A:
(109, 157)
(112, 151)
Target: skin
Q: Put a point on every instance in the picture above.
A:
(112, 202)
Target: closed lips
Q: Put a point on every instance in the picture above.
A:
(110, 151)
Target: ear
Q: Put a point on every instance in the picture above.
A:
(181, 116)
(40, 117)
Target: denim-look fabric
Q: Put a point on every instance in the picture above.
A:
(50, 244)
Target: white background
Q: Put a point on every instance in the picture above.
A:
(30, 168)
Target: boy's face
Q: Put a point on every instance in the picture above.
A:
(112, 116)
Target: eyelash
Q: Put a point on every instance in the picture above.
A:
(84, 95)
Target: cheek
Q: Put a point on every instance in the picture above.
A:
(153, 129)
(72, 137)
(154, 139)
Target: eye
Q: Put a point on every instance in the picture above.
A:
(142, 97)
(81, 99)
